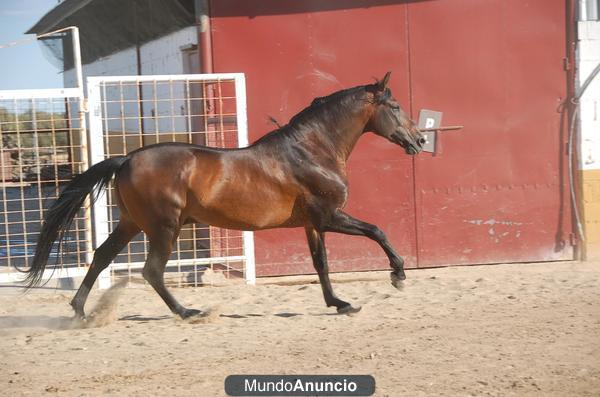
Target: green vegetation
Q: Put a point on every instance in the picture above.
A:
(19, 130)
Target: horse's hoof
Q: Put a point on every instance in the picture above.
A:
(80, 318)
(348, 309)
(79, 315)
(187, 313)
(397, 280)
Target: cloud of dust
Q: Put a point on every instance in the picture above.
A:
(208, 316)
(103, 314)
(105, 310)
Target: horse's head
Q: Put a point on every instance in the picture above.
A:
(391, 122)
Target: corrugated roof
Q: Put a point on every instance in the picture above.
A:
(53, 18)
(109, 26)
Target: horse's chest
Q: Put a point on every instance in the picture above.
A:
(325, 185)
(336, 194)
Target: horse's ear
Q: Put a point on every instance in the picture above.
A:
(381, 84)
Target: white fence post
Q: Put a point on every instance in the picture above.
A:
(242, 129)
(96, 142)
(83, 136)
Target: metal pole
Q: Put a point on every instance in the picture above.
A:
(77, 59)
(84, 138)
(95, 90)
(204, 35)
(448, 128)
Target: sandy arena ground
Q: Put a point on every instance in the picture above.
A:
(510, 330)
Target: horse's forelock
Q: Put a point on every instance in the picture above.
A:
(384, 96)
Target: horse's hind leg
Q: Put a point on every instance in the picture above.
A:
(104, 254)
(316, 243)
(161, 245)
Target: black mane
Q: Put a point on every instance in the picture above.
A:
(339, 99)
(340, 96)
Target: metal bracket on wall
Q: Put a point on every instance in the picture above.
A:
(430, 124)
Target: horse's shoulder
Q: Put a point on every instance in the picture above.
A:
(323, 179)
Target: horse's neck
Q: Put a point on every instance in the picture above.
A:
(341, 136)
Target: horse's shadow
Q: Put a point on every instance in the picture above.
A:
(139, 318)
(144, 319)
(65, 322)
(283, 315)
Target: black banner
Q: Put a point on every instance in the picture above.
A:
(300, 385)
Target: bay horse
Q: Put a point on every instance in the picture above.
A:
(295, 176)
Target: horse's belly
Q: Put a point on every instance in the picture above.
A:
(240, 192)
(252, 211)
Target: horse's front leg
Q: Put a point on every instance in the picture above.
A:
(341, 222)
(316, 243)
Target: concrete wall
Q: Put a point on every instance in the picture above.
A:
(161, 56)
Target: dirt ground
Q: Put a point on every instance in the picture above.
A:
(519, 329)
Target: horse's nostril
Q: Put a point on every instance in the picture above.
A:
(422, 141)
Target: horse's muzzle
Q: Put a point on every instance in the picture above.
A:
(411, 145)
(412, 150)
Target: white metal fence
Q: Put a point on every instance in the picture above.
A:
(128, 112)
(43, 145)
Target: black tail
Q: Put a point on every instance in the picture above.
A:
(59, 217)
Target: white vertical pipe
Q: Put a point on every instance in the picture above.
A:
(77, 59)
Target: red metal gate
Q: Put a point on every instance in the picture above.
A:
(494, 193)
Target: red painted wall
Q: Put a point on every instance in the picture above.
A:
(493, 194)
